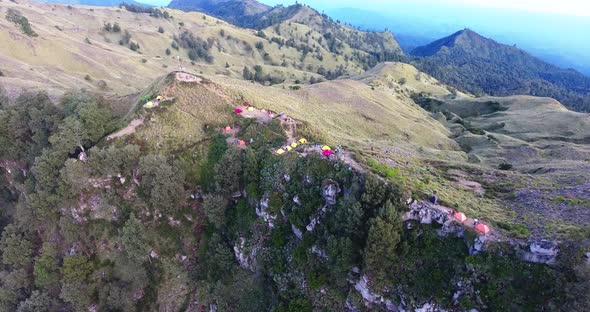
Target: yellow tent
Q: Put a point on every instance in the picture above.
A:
(288, 148)
(250, 109)
(303, 141)
(326, 148)
(280, 151)
(294, 145)
(149, 104)
(159, 98)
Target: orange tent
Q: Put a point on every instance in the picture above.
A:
(459, 216)
(482, 228)
(242, 143)
(227, 129)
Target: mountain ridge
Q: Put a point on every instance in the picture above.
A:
(480, 65)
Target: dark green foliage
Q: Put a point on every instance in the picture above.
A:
(134, 240)
(217, 149)
(228, 171)
(162, 183)
(17, 249)
(259, 45)
(505, 166)
(26, 126)
(161, 29)
(198, 49)
(76, 269)
(154, 12)
(37, 302)
(382, 242)
(16, 17)
(168, 52)
(116, 27)
(46, 270)
(214, 207)
(134, 46)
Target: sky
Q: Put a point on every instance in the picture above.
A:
(568, 7)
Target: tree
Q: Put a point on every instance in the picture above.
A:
(17, 250)
(78, 294)
(46, 269)
(214, 206)
(348, 220)
(14, 289)
(578, 292)
(247, 74)
(75, 175)
(116, 27)
(341, 256)
(228, 171)
(168, 52)
(37, 302)
(259, 45)
(219, 259)
(134, 239)
(113, 160)
(384, 236)
(76, 269)
(162, 184)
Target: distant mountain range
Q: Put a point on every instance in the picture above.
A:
(380, 46)
(480, 65)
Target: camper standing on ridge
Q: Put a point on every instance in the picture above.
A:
(434, 198)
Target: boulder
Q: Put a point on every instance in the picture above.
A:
(296, 231)
(246, 258)
(330, 189)
(543, 251)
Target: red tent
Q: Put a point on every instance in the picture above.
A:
(227, 129)
(245, 104)
(327, 153)
(482, 228)
(242, 143)
(459, 216)
(238, 111)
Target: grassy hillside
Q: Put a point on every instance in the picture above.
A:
(72, 48)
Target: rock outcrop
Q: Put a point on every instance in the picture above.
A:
(329, 191)
(246, 258)
(262, 211)
(543, 251)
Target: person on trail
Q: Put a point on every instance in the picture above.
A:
(475, 222)
(434, 198)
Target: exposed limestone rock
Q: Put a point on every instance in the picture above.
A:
(362, 287)
(296, 231)
(543, 251)
(315, 221)
(319, 252)
(430, 307)
(262, 211)
(246, 259)
(154, 254)
(478, 245)
(329, 191)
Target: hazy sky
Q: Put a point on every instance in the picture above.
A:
(570, 7)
